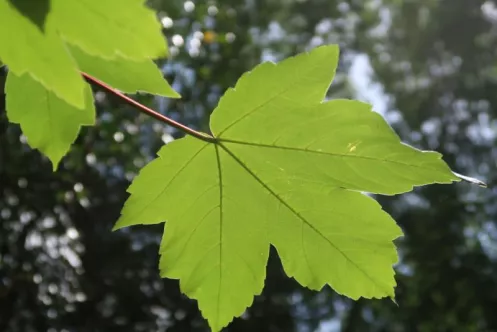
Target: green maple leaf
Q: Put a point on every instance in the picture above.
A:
(49, 123)
(284, 169)
(110, 29)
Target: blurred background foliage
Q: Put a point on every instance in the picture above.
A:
(429, 66)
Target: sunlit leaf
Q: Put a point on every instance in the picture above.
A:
(41, 53)
(112, 29)
(286, 169)
(49, 123)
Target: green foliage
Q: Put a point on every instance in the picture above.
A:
(49, 123)
(42, 54)
(285, 169)
(94, 26)
(58, 39)
(126, 75)
(440, 286)
(110, 28)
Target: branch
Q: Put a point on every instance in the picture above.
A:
(150, 112)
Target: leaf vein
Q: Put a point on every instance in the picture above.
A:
(334, 154)
(220, 231)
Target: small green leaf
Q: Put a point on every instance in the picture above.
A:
(286, 169)
(110, 28)
(49, 123)
(126, 75)
(40, 53)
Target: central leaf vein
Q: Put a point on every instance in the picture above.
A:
(220, 230)
(334, 154)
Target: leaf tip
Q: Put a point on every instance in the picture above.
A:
(470, 180)
(218, 326)
(55, 165)
(330, 47)
(328, 50)
(174, 94)
(54, 157)
(118, 225)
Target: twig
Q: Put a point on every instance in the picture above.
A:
(150, 112)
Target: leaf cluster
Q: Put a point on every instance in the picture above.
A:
(55, 42)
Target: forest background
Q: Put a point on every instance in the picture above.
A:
(428, 66)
